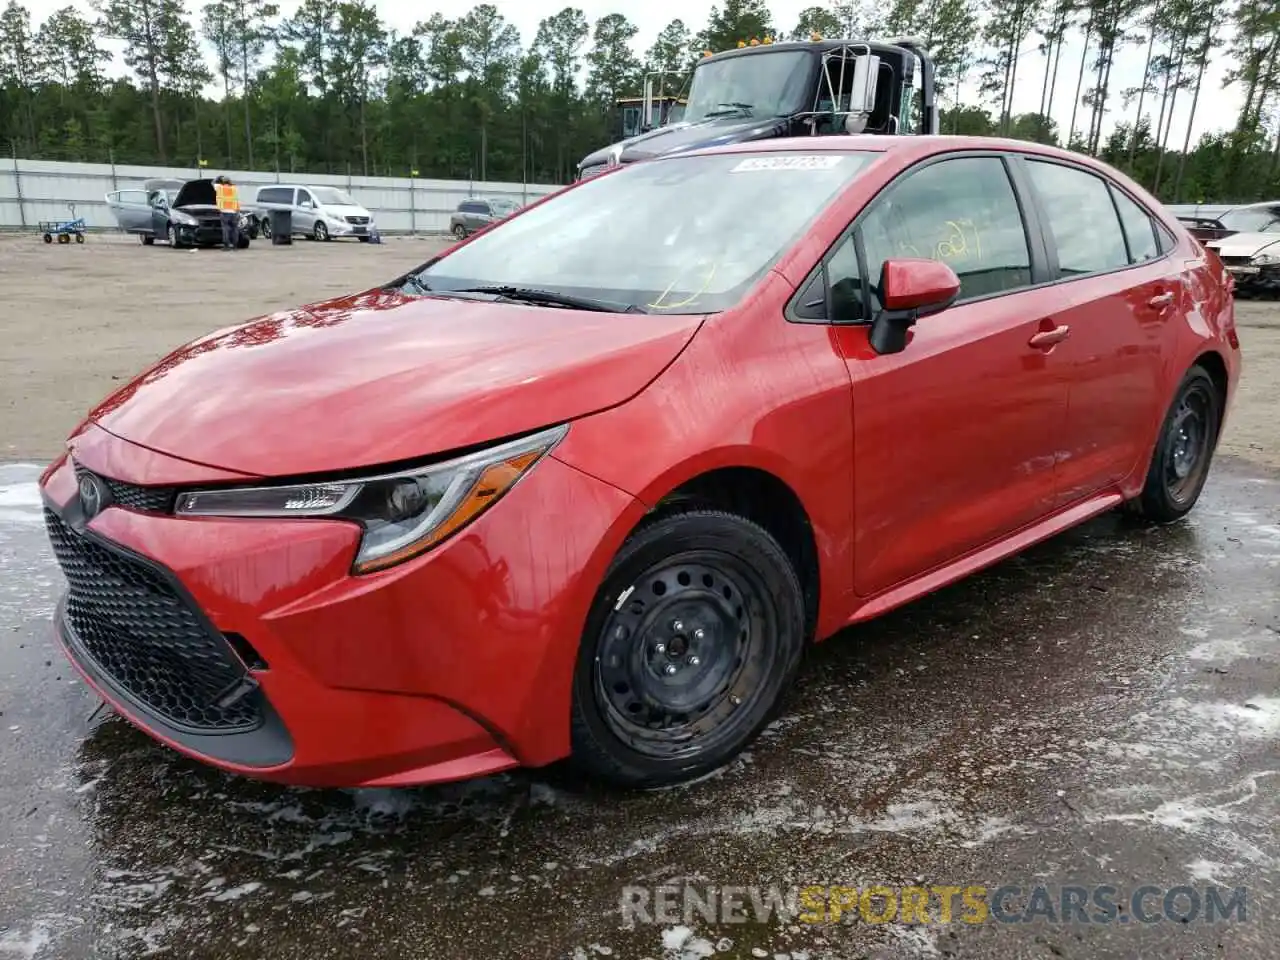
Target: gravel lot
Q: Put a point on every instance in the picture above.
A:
(79, 319)
(1100, 710)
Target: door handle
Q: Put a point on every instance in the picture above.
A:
(1160, 300)
(1047, 339)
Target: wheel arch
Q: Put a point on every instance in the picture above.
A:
(757, 493)
(1216, 366)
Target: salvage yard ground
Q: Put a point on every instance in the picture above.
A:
(1100, 710)
(79, 320)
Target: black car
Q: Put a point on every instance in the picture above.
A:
(190, 219)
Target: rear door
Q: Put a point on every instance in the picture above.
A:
(1117, 292)
(954, 438)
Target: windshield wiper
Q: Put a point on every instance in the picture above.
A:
(552, 299)
(735, 108)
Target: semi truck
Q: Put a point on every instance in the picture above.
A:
(763, 90)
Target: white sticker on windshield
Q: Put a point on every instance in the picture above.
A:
(823, 161)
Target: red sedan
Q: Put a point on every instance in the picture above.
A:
(587, 483)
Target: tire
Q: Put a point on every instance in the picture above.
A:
(147, 239)
(79, 238)
(1184, 450)
(171, 235)
(264, 228)
(320, 231)
(48, 238)
(459, 231)
(242, 241)
(363, 239)
(692, 640)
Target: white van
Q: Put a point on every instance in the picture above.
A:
(321, 213)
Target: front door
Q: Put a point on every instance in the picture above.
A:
(954, 437)
(304, 214)
(159, 224)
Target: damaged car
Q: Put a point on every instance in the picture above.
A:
(1252, 257)
(183, 214)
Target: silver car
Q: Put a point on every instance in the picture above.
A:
(321, 213)
(476, 213)
(144, 210)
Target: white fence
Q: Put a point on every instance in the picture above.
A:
(34, 190)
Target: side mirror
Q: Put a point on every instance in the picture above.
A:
(862, 92)
(910, 289)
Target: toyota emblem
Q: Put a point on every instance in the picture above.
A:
(93, 495)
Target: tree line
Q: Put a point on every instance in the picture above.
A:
(333, 89)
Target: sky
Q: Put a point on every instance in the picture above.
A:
(1216, 111)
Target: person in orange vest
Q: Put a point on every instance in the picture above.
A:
(228, 201)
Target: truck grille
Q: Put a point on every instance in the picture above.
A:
(133, 497)
(1237, 261)
(137, 628)
(358, 221)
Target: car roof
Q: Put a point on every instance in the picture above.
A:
(907, 148)
(879, 143)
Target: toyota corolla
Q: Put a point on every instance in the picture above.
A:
(586, 484)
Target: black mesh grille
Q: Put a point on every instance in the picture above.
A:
(1237, 261)
(133, 497)
(140, 631)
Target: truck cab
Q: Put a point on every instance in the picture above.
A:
(766, 90)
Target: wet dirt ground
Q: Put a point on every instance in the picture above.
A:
(1101, 710)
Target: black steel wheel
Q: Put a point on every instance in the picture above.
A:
(693, 638)
(1184, 449)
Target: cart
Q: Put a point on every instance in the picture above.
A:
(64, 230)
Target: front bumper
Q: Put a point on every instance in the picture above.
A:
(1250, 276)
(453, 665)
(344, 229)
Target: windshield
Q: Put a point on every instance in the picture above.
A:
(332, 197)
(755, 85)
(1258, 220)
(680, 235)
(503, 206)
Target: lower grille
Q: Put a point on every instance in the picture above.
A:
(1237, 261)
(138, 629)
(133, 497)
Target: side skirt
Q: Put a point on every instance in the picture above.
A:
(986, 556)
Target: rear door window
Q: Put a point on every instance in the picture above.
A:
(1082, 218)
(961, 211)
(1139, 228)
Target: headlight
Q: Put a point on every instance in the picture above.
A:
(1266, 259)
(186, 219)
(403, 514)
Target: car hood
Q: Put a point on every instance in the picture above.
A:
(675, 137)
(195, 193)
(381, 377)
(1243, 244)
(345, 210)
